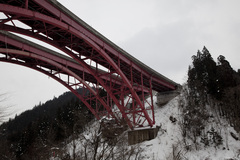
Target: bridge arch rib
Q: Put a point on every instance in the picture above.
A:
(73, 32)
(52, 23)
(13, 51)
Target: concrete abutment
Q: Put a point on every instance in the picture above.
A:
(141, 135)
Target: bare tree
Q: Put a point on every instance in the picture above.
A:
(5, 153)
(101, 143)
(4, 110)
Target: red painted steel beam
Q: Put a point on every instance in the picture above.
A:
(42, 38)
(26, 4)
(60, 11)
(92, 40)
(24, 44)
(52, 57)
(51, 62)
(64, 15)
(38, 16)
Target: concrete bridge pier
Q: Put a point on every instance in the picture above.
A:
(165, 97)
(141, 135)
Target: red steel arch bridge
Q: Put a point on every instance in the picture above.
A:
(91, 61)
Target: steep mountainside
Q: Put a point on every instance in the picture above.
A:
(169, 143)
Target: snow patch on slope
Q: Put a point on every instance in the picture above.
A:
(169, 137)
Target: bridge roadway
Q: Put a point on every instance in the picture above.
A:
(51, 22)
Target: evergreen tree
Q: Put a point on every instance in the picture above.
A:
(45, 125)
(219, 81)
(225, 76)
(202, 74)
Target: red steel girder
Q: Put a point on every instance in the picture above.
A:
(69, 25)
(65, 15)
(34, 56)
(53, 60)
(33, 47)
(13, 40)
(56, 10)
(43, 18)
(38, 16)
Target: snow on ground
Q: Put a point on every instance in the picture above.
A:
(169, 139)
(169, 136)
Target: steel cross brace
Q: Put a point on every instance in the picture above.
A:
(71, 28)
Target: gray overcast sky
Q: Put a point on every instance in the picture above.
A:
(163, 34)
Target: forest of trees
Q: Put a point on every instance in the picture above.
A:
(35, 132)
(212, 90)
(50, 129)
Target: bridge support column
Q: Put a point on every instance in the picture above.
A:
(141, 135)
(165, 97)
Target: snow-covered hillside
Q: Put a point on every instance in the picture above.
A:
(169, 142)
(168, 145)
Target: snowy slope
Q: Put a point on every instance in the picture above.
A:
(170, 137)
(169, 134)
(168, 144)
